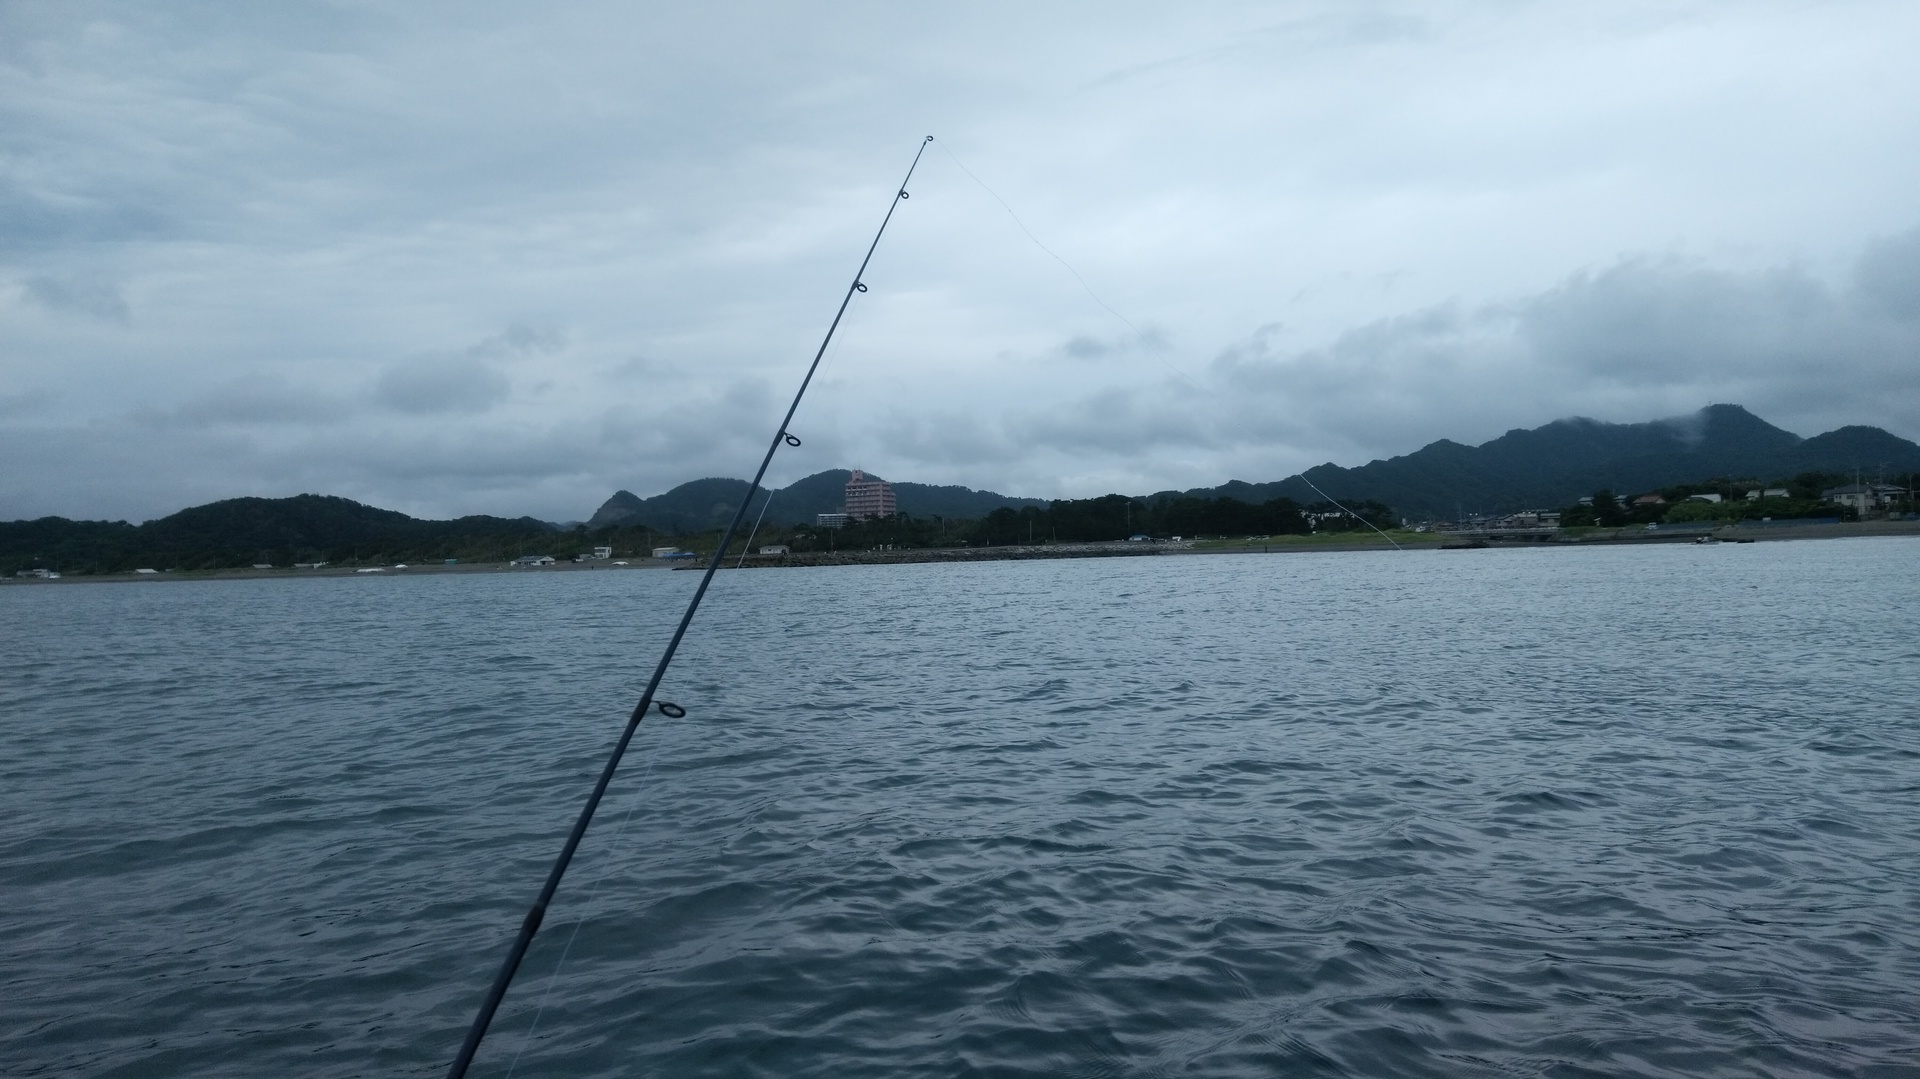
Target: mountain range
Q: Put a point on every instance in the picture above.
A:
(278, 531)
(709, 503)
(1544, 467)
(1552, 466)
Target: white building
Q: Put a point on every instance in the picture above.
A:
(1863, 497)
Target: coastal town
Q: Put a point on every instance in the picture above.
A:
(868, 527)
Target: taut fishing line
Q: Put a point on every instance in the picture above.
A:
(1145, 339)
(538, 912)
(586, 908)
(748, 546)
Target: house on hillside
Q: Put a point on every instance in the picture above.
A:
(1865, 498)
(1757, 493)
(1648, 500)
(1527, 521)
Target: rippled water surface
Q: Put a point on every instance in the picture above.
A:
(1647, 811)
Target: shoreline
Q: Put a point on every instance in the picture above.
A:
(294, 573)
(1428, 541)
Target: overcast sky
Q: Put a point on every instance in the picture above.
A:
(507, 258)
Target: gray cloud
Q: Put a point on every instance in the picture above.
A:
(1887, 279)
(1358, 227)
(252, 401)
(469, 381)
(23, 404)
(1625, 343)
(443, 384)
(1083, 347)
(559, 471)
(1639, 339)
(90, 297)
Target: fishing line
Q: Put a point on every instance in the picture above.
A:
(748, 546)
(1151, 344)
(824, 368)
(586, 907)
(538, 912)
(834, 353)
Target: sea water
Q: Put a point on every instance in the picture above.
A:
(1631, 811)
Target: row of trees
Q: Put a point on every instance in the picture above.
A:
(1802, 500)
(305, 529)
(277, 531)
(1089, 520)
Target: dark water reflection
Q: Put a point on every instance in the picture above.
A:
(1631, 812)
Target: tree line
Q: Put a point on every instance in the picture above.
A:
(274, 531)
(312, 528)
(1801, 501)
(1090, 520)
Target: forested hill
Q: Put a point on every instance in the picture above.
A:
(709, 503)
(1546, 467)
(241, 531)
(1554, 465)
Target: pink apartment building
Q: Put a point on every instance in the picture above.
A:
(868, 497)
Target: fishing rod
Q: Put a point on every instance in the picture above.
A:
(538, 913)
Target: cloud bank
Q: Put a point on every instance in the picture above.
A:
(480, 259)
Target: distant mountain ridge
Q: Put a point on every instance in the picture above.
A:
(1547, 466)
(709, 503)
(242, 531)
(1555, 464)
(1544, 467)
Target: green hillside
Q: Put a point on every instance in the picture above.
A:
(1555, 464)
(709, 503)
(244, 531)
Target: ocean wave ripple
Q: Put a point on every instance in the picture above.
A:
(1636, 812)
